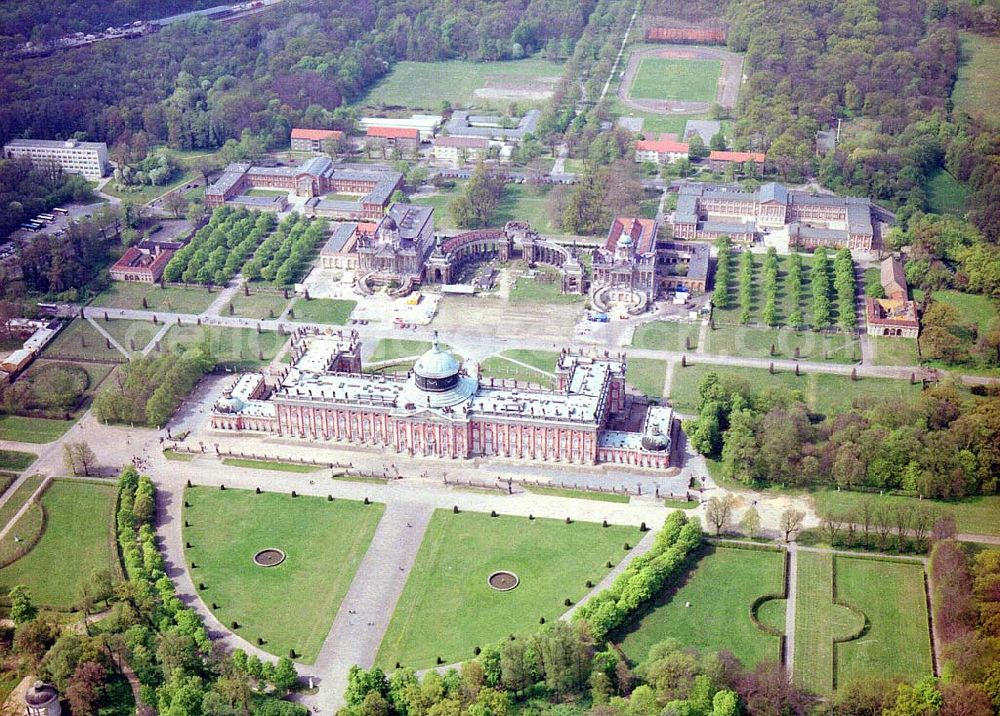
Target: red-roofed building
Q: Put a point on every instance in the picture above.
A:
(660, 151)
(718, 161)
(311, 140)
(141, 265)
(687, 35)
(403, 137)
(624, 268)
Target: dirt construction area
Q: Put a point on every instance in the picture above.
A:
(727, 90)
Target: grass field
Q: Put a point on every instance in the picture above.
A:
(527, 202)
(240, 347)
(260, 306)
(718, 618)
(425, 85)
(392, 348)
(665, 78)
(126, 294)
(945, 194)
(291, 605)
(647, 375)
(531, 290)
(27, 529)
(17, 499)
(270, 465)
(757, 342)
(667, 336)
(577, 494)
(823, 392)
(818, 621)
(541, 372)
(894, 351)
(972, 308)
(978, 83)
(266, 192)
(447, 608)
(131, 335)
(81, 340)
(16, 460)
(149, 192)
(78, 540)
(892, 596)
(323, 310)
(974, 515)
(32, 430)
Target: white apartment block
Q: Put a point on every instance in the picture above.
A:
(87, 158)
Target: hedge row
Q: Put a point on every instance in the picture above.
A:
(219, 250)
(644, 577)
(720, 294)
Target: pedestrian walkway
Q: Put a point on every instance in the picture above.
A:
(792, 579)
(371, 600)
(111, 339)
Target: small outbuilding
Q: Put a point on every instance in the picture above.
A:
(42, 700)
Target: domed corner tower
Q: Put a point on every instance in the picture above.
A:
(42, 699)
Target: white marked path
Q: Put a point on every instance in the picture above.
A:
(368, 605)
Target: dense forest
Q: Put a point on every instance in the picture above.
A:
(196, 84)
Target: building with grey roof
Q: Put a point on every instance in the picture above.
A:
(464, 124)
(447, 410)
(87, 158)
(704, 128)
(708, 211)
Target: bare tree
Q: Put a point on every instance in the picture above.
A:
(79, 458)
(791, 521)
(902, 517)
(718, 511)
(175, 203)
(832, 526)
(882, 520)
(924, 518)
(866, 514)
(750, 524)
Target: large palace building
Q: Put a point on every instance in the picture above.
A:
(441, 410)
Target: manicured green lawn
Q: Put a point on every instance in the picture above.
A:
(892, 596)
(149, 192)
(425, 85)
(544, 361)
(720, 588)
(81, 340)
(440, 202)
(756, 343)
(578, 494)
(17, 499)
(945, 194)
(269, 465)
(266, 192)
(131, 335)
(527, 202)
(823, 393)
(32, 430)
(818, 621)
(241, 347)
(16, 460)
(978, 83)
(392, 348)
(261, 306)
(973, 515)
(502, 369)
(177, 456)
(447, 608)
(78, 540)
(665, 78)
(26, 531)
(667, 336)
(647, 375)
(323, 310)
(124, 294)
(291, 605)
(772, 613)
(894, 351)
